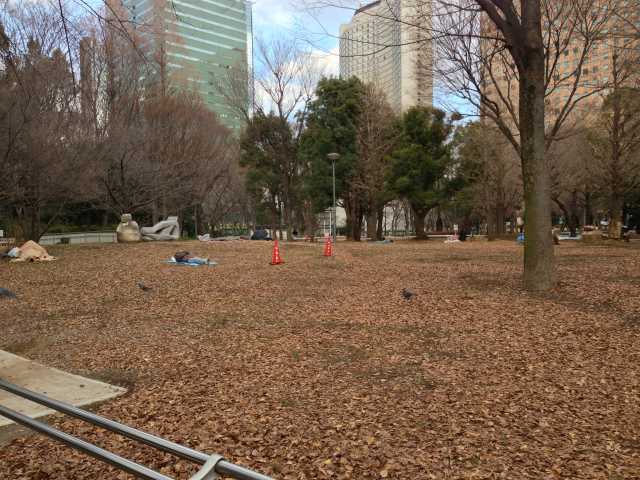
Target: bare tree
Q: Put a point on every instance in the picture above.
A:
(503, 57)
(40, 133)
(156, 147)
(491, 168)
(615, 142)
(570, 160)
(376, 136)
(227, 202)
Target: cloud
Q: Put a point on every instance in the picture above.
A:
(273, 14)
(327, 62)
(317, 27)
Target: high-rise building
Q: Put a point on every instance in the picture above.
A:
(386, 43)
(203, 44)
(87, 75)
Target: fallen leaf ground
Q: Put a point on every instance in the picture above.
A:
(319, 368)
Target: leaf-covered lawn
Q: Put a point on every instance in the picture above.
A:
(319, 368)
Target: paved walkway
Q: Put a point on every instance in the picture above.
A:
(54, 383)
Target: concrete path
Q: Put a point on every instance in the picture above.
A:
(54, 383)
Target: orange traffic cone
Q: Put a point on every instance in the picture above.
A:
(328, 247)
(275, 258)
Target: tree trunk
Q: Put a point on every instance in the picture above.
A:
(196, 220)
(395, 218)
(439, 223)
(588, 213)
(154, 213)
(418, 224)
(574, 220)
(274, 223)
(29, 222)
(349, 217)
(539, 268)
(381, 224)
(356, 231)
(616, 217)
(163, 207)
(309, 220)
(539, 264)
(372, 223)
(289, 223)
(36, 232)
(500, 227)
(356, 220)
(569, 217)
(495, 224)
(280, 213)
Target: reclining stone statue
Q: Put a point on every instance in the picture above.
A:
(168, 229)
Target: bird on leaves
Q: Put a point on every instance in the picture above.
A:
(408, 294)
(7, 293)
(143, 287)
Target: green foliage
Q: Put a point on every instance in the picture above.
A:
(265, 141)
(467, 168)
(331, 127)
(422, 158)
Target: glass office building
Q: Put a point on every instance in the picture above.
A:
(204, 43)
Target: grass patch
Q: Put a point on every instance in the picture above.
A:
(288, 402)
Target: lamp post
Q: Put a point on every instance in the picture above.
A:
(333, 157)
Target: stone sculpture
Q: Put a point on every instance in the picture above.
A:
(168, 229)
(128, 230)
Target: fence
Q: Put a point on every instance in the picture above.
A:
(212, 465)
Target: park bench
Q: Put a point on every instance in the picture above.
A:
(213, 466)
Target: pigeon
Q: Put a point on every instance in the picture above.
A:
(7, 293)
(408, 294)
(143, 287)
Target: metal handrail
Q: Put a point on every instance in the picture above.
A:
(219, 466)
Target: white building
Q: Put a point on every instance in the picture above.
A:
(386, 43)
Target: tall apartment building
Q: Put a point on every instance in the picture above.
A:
(611, 48)
(202, 42)
(87, 75)
(386, 44)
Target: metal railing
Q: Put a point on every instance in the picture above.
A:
(212, 465)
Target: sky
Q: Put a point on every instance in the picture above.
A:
(316, 30)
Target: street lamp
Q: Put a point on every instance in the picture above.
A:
(333, 157)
